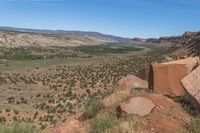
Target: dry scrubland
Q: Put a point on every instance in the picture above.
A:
(46, 86)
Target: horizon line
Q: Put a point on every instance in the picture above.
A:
(49, 29)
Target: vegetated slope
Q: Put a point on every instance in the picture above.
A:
(50, 94)
(14, 37)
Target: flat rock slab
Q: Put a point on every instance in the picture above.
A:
(136, 105)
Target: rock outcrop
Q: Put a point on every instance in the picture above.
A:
(166, 79)
(191, 63)
(191, 84)
(166, 116)
(124, 90)
(136, 105)
(186, 45)
(131, 82)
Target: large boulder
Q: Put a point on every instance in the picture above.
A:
(115, 98)
(136, 105)
(123, 90)
(166, 79)
(130, 82)
(191, 63)
(191, 84)
(167, 117)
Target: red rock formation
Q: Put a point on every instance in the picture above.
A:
(191, 84)
(123, 90)
(166, 79)
(136, 105)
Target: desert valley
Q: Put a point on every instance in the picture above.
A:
(88, 82)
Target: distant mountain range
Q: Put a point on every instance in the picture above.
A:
(186, 44)
(63, 33)
(182, 46)
(76, 37)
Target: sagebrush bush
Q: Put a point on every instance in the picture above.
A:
(17, 127)
(92, 109)
(2, 119)
(101, 124)
(187, 105)
(194, 125)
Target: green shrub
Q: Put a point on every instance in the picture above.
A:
(106, 49)
(7, 110)
(194, 126)
(18, 128)
(101, 124)
(92, 109)
(187, 105)
(38, 95)
(2, 119)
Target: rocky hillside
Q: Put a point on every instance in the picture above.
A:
(186, 45)
(14, 37)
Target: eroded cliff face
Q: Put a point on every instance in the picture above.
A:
(186, 45)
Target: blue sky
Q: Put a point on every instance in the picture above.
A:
(127, 18)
